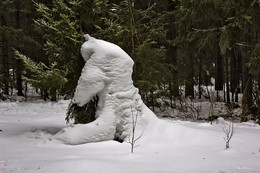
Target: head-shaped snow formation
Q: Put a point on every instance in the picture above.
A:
(108, 74)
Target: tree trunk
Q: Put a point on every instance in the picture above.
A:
(25, 91)
(45, 95)
(172, 60)
(219, 72)
(247, 86)
(13, 78)
(5, 59)
(238, 78)
(233, 74)
(53, 95)
(131, 25)
(19, 66)
(189, 83)
(227, 79)
(224, 89)
(247, 100)
(200, 69)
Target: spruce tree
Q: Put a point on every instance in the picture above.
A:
(61, 24)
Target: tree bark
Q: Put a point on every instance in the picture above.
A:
(227, 79)
(200, 70)
(234, 75)
(189, 83)
(247, 86)
(5, 59)
(219, 72)
(238, 78)
(172, 60)
(131, 23)
(19, 66)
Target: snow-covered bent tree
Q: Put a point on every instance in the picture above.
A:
(107, 74)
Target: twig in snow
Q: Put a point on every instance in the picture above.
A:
(132, 140)
(229, 132)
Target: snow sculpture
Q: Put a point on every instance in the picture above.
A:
(108, 74)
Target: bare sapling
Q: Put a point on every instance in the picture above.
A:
(229, 131)
(132, 138)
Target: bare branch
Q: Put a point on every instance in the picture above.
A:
(139, 137)
(229, 132)
(132, 139)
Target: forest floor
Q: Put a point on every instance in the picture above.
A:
(27, 144)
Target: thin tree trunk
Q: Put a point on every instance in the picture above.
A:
(13, 77)
(172, 60)
(200, 69)
(238, 77)
(245, 73)
(5, 59)
(247, 100)
(25, 91)
(224, 92)
(18, 61)
(131, 22)
(189, 83)
(219, 72)
(232, 74)
(227, 79)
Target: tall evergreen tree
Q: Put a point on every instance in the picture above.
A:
(62, 24)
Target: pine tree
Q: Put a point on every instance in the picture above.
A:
(61, 30)
(62, 24)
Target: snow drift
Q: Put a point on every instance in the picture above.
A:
(108, 74)
(27, 145)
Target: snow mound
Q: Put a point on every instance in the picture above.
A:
(108, 74)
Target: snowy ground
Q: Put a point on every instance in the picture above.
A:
(27, 145)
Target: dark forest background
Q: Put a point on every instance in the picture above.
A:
(177, 46)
